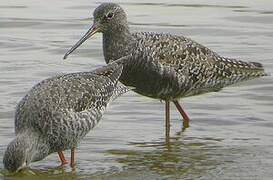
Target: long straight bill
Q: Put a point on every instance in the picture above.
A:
(87, 35)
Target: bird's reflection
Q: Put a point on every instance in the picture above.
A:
(185, 125)
(173, 155)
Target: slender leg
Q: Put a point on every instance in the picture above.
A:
(183, 113)
(62, 158)
(167, 120)
(73, 163)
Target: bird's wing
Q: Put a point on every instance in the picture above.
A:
(203, 68)
(59, 97)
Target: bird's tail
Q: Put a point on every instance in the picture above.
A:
(257, 69)
(233, 71)
(119, 90)
(254, 69)
(113, 71)
(247, 70)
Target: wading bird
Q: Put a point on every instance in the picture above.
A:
(58, 112)
(164, 66)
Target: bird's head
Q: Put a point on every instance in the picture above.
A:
(16, 156)
(108, 17)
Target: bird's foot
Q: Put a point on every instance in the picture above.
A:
(73, 165)
(62, 158)
(64, 163)
(186, 124)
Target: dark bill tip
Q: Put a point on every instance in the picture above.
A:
(87, 35)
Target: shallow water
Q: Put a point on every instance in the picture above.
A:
(230, 136)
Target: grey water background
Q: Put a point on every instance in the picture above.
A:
(231, 131)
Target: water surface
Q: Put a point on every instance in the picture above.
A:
(230, 136)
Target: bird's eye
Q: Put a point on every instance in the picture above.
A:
(109, 15)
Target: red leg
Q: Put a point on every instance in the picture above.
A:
(167, 118)
(62, 158)
(183, 113)
(73, 163)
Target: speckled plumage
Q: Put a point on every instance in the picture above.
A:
(58, 112)
(164, 66)
(169, 67)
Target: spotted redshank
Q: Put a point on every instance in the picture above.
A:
(164, 66)
(58, 112)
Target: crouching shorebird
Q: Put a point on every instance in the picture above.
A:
(58, 112)
(164, 66)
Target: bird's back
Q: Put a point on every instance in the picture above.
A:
(177, 66)
(66, 107)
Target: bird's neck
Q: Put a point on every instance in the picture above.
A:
(36, 147)
(117, 42)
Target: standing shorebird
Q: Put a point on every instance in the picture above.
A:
(58, 112)
(164, 66)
